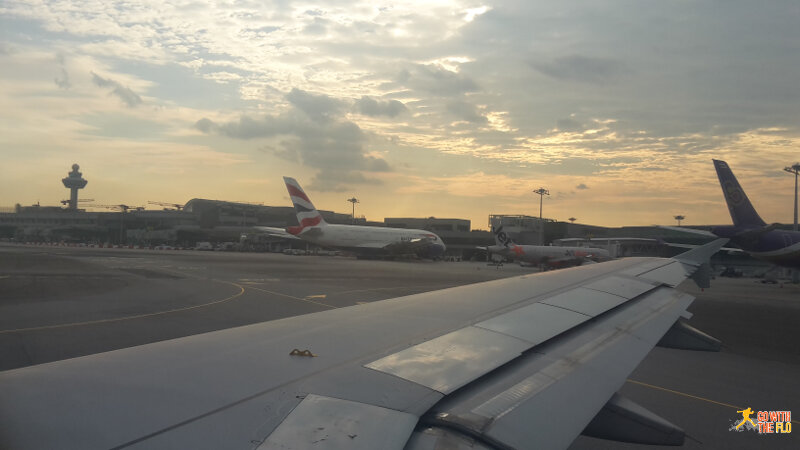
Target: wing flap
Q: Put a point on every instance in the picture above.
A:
(671, 274)
(547, 397)
(534, 323)
(448, 362)
(331, 423)
(585, 301)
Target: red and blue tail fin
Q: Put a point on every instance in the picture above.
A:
(742, 211)
(307, 214)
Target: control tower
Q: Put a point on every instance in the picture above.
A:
(73, 182)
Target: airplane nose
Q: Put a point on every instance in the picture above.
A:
(436, 250)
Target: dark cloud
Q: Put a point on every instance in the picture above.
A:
(62, 80)
(251, 128)
(309, 134)
(466, 111)
(436, 80)
(338, 180)
(205, 125)
(125, 94)
(585, 69)
(374, 108)
(318, 27)
(569, 125)
(318, 107)
(581, 187)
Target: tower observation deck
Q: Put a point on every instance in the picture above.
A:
(73, 182)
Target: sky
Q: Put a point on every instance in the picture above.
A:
(452, 109)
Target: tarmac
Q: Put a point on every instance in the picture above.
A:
(65, 302)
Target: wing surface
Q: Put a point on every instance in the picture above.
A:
(277, 232)
(689, 231)
(497, 364)
(410, 246)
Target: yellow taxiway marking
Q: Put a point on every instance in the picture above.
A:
(138, 316)
(683, 394)
(309, 297)
(293, 297)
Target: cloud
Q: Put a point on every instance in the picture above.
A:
(375, 108)
(466, 111)
(310, 133)
(581, 186)
(570, 125)
(435, 80)
(125, 94)
(339, 180)
(62, 80)
(319, 27)
(318, 107)
(587, 69)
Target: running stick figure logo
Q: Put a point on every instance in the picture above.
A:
(746, 413)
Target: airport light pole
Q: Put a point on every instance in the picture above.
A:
(679, 218)
(353, 201)
(794, 168)
(542, 192)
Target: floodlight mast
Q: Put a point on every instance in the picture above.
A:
(542, 192)
(795, 168)
(353, 200)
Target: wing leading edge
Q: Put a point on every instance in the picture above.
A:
(475, 365)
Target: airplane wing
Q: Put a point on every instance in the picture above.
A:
(277, 232)
(689, 246)
(689, 231)
(525, 362)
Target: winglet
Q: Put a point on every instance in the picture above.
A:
(701, 255)
(698, 259)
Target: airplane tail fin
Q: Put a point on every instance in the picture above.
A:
(307, 214)
(501, 239)
(742, 211)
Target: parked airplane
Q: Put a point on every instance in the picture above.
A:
(363, 240)
(749, 232)
(524, 362)
(552, 256)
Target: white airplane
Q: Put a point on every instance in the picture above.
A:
(524, 362)
(552, 256)
(362, 240)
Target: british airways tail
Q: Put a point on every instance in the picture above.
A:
(742, 211)
(307, 214)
